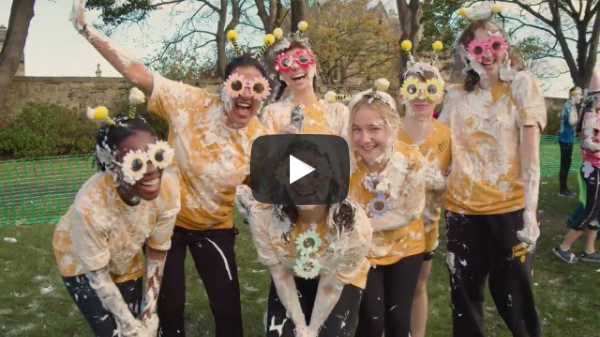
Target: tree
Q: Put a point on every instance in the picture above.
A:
(21, 13)
(272, 14)
(565, 23)
(409, 13)
(351, 40)
(226, 13)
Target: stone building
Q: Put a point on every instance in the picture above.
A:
(3, 31)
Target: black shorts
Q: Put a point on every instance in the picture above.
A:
(428, 256)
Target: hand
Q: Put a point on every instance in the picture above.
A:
(149, 326)
(531, 228)
(78, 15)
(244, 200)
(289, 130)
(304, 331)
(132, 329)
(434, 179)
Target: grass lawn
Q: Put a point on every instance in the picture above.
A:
(33, 301)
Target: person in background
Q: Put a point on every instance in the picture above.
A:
(590, 174)
(566, 138)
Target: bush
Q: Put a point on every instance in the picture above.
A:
(47, 130)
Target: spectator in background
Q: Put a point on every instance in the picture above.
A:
(566, 138)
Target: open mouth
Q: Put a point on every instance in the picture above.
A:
(151, 185)
(488, 64)
(298, 77)
(305, 190)
(243, 109)
(369, 147)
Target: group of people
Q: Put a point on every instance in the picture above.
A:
(353, 268)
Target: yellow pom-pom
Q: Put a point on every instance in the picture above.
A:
(302, 25)
(136, 96)
(406, 45)
(496, 8)
(438, 45)
(232, 35)
(97, 114)
(330, 96)
(382, 84)
(278, 33)
(462, 12)
(269, 39)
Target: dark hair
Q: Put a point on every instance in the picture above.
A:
(110, 136)
(244, 60)
(282, 84)
(424, 76)
(344, 215)
(472, 78)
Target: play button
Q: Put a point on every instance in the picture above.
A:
(298, 169)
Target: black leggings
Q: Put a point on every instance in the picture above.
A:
(340, 322)
(591, 176)
(387, 299)
(566, 154)
(213, 254)
(101, 321)
(482, 245)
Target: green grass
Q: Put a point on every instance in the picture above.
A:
(568, 296)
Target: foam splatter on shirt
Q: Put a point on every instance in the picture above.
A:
(212, 157)
(486, 175)
(405, 176)
(341, 254)
(436, 149)
(319, 118)
(100, 230)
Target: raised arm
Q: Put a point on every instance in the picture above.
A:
(573, 115)
(131, 68)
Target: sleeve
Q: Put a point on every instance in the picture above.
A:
(262, 240)
(573, 115)
(160, 239)
(357, 247)
(529, 100)
(169, 96)
(89, 239)
(444, 115)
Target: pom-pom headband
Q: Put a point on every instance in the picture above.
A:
(268, 40)
(377, 92)
(100, 113)
(406, 45)
(485, 11)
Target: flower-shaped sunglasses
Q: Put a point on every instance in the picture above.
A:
(303, 58)
(411, 88)
(237, 83)
(134, 164)
(497, 45)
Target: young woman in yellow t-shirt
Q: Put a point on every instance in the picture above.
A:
(212, 136)
(295, 67)
(316, 254)
(388, 182)
(495, 118)
(129, 204)
(421, 90)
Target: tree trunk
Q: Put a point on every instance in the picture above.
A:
(297, 13)
(21, 14)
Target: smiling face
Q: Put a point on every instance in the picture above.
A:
(370, 132)
(148, 187)
(244, 106)
(491, 58)
(297, 68)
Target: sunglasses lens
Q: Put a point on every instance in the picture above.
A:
(432, 89)
(286, 62)
(159, 156)
(258, 88)
(237, 85)
(412, 89)
(137, 165)
(303, 58)
(478, 50)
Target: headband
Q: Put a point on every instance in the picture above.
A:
(485, 11)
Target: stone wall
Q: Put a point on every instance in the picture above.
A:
(72, 92)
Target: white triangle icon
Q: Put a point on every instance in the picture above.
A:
(298, 169)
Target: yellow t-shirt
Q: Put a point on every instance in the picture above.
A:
(320, 118)
(212, 157)
(405, 176)
(486, 167)
(436, 149)
(100, 230)
(342, 254)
